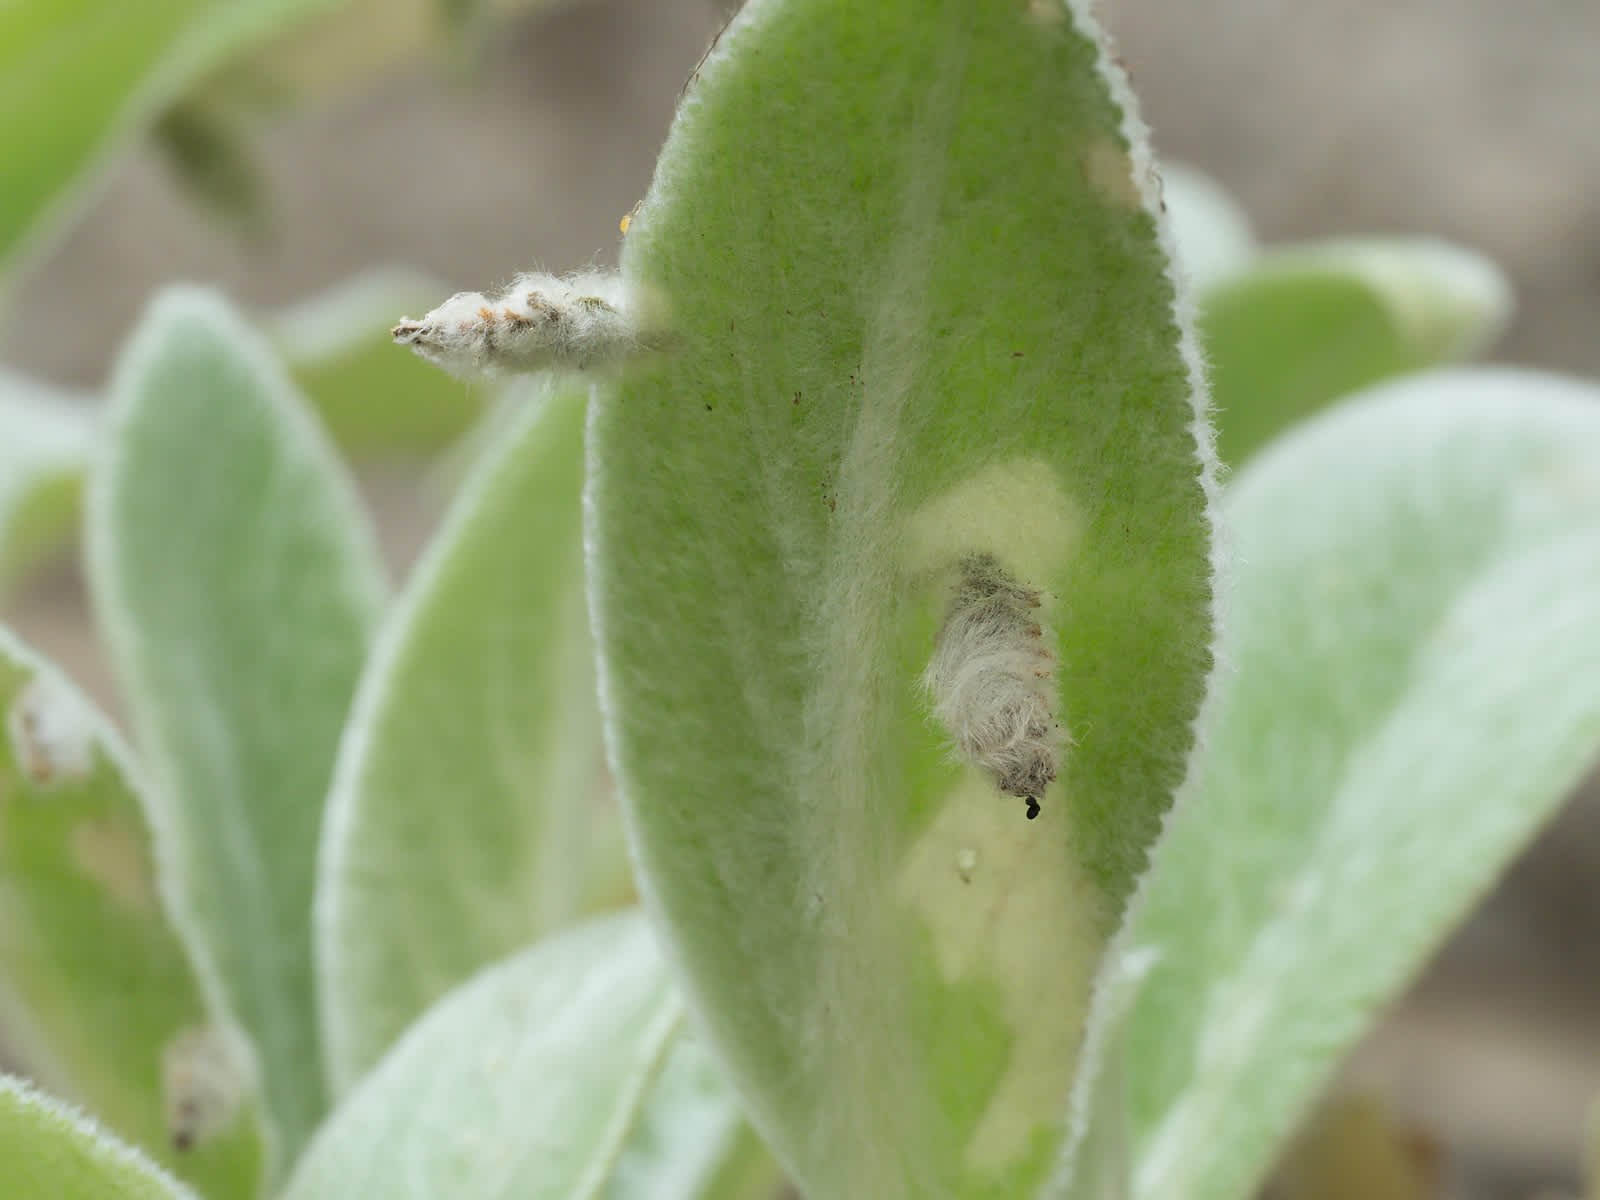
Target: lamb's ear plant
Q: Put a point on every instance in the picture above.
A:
(978, 863)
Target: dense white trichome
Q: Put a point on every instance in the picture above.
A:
(991, 681)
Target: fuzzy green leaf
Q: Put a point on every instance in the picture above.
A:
(469, 779)
(49, 1150)
(1414, 688)
(77, 79)
(1308, 324)
(543, 1076)
(922, 313)
(338, 347)
(95, 987)
(237, 588)
(45, 439)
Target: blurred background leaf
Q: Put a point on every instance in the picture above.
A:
(1414, 688)
(83, 78)
(1212, 233)
(49, 1150)
(79, 78)
(470, 793)
(209, 153)
(1302, 326)
(237, 590)
(94, 982)
(352, 43)
(562, 1072)
(372, 399)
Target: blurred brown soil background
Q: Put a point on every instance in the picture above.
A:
(1469, 119)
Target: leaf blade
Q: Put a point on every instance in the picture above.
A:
(1305, 325)
(1453, 507)
(690, 1141)
(568, 1038)
(237, 588)
(464, 801)
(856, 226)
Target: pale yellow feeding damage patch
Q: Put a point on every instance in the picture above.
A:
(1004, 899)
(1014, 509)
(1110, 171)
(113, 855)
(1007, 904)
(1047, 12)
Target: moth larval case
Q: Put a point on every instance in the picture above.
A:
(991, 680)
